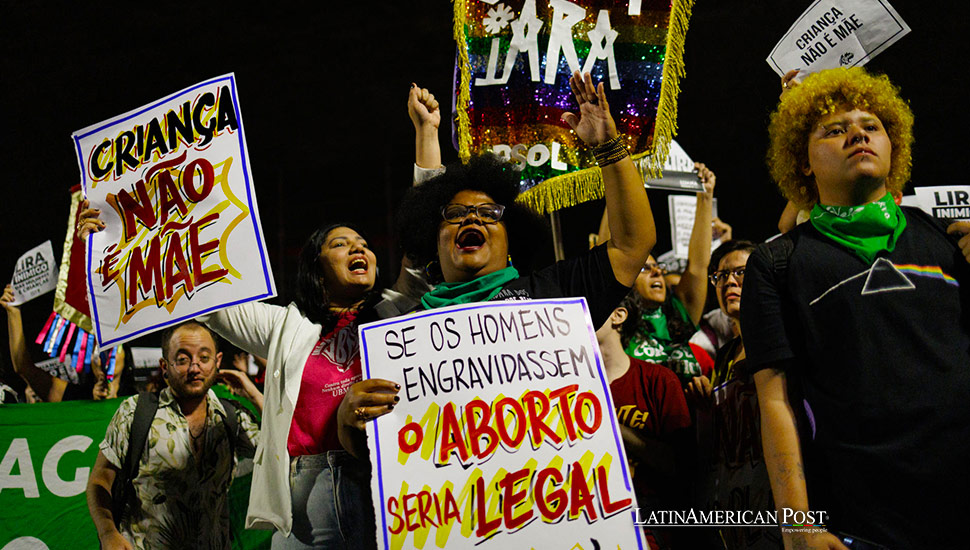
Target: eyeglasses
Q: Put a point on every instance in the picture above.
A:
(650, 268)
(720, 277)
(487, 212)
(184, 362)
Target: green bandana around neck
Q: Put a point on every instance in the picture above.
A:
(480, 289)
(657, 321)
(866, 230)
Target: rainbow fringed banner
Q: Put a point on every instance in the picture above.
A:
(512, 85)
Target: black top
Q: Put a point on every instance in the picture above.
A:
(882, 356)
(590, 276)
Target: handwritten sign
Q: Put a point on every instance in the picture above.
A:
(837, 33)
(35, 274)
(182, 237)
(682, 209)
(951, 202)
(504, 436)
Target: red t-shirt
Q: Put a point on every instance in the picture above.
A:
(649, 399)
(333, 366)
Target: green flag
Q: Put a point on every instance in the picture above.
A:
(46, 454)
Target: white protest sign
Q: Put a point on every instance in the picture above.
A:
(58, 369)
(682, 209)
(182, 237)
(35, 274)
(945, 201)
(837, 33)
(505, 434)
(678, 171)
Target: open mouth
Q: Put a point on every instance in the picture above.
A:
(358, 265)
(656, 284)
(470, 239)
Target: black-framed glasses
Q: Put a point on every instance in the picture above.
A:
(650, 268)
(488, 212)
(720, 277)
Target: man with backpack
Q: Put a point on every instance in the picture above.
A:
(858, 324)
(162, 476)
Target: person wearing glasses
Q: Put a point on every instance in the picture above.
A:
(466, 226)
(669, 319)
(306, 485)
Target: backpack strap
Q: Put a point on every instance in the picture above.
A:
(237, 443)
(122, 490)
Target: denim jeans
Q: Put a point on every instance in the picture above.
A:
(331, 504)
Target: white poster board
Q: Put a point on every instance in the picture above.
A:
(35, 274)
(945, 201)
(182, 237)
(682, 209)
(837, 33)
(505, 434)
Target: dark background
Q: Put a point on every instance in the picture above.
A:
(323, 93)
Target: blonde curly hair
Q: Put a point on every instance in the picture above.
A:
(822, 94)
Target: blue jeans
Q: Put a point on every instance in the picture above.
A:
(332, 506)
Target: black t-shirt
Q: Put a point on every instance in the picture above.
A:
(881, 354)
(590, 276)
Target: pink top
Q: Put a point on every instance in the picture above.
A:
(333, 366)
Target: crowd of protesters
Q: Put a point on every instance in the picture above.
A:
(837, 381)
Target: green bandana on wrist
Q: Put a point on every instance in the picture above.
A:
(866, 230)
(481, 289)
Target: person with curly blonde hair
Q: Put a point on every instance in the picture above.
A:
(857, 326)
(822, 95)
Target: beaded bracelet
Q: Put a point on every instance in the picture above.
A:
(610, 151)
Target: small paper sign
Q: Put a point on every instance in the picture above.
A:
(678, 172)
(35, 274)
(682, 209)
(59, 369)
(505, 435)
(837, 33)
(951, 202)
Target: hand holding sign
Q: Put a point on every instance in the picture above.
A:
(961, 228)
(89, 220)
(35, 274)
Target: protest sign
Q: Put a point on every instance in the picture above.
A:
(182, 237)
(837, 33)
(951, 202)
(682, 208)
(46, 454)
(505, 434)
(515, 58)
(678, 171)
(59, 369)
(35, 274)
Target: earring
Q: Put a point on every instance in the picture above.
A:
(432, 270)
(510, 261)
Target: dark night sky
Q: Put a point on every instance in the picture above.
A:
(323, 94)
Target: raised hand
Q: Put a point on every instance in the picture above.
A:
(594, 125)
(6, 301)
(708, 179)
(89, 220)
(423, 108)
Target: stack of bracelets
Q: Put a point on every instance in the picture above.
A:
(610, 151)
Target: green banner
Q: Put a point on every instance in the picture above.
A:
(47, 451)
